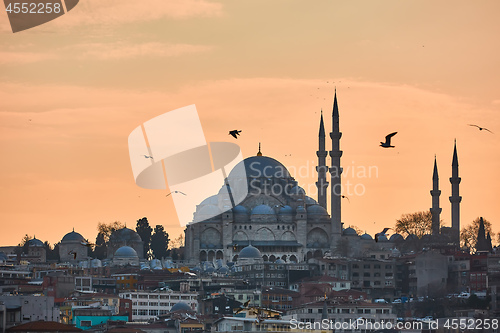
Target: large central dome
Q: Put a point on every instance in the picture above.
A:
(263, 167)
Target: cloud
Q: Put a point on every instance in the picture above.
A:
(120, 50)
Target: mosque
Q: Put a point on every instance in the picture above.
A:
(278, 221)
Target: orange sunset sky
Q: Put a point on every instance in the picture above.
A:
(72, 90)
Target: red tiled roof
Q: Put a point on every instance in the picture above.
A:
(43, 326)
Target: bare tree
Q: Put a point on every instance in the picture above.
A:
(468, 234)
(418, 224)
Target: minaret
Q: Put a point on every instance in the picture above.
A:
(322, 169)
(455, 198)
(335, 171)
(435, 193)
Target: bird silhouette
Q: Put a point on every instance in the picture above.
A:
(176, 192)
(73, 253)
(234, 133)
(86, 243)
(481, 128)
(344, 197)
(383, 233)
(387, 143)
(148, 156)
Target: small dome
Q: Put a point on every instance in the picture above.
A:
(35, 242)
(411, 237)
(396, 238)
(301, 210)
(223, 270)
(249, 252)
(95, 263)
(123, 235)
(286, 210)
(263, 210)
(181, 306)
(240, 210)
(72, 236)
(279, 261)
(316, 210)
(366, 236)
(125, 252)
(382, 238)
(350, 232)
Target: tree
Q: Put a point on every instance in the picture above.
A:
(144, 230)
(100, 247)
(419, 224)
(159, 242)
(107, 229)
(468, 234)
(177, 243)
(24, 243)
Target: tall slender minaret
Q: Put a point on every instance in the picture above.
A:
(335, 171)
(435, 193)
(322, 169)
(455, 198)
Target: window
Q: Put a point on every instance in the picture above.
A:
(309, 310)
(377, 266)
(366, 266)
(86, 323)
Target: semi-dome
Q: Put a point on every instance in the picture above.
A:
(249, 252)
(311, 201)
(181, 306)
(72, 236)
(366, 236)
(125, 252)
(350, 232)
(35, 242)
(124, 234)
(263, 210)
(396, 238)
(213, 200)
(316, 210)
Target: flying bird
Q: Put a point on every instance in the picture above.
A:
(148, 156)
(73, 253)
(481, 128)
(383, 233)
(85, 243)
(234, 133)
(344, 197)
(387, 143)
(176, 192)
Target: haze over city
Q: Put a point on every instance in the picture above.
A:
(72, 90)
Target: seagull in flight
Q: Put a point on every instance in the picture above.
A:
(383, 233)
(387, 143)
(73, 253)
(85, 243)
(148, 156)
(481, 128)
(234, 133)
(344, 197)
(176, 192)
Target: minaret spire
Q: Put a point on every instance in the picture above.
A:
(455, 197)
(435, 193)
(322, 169)
(259, 153)
(335, 171)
